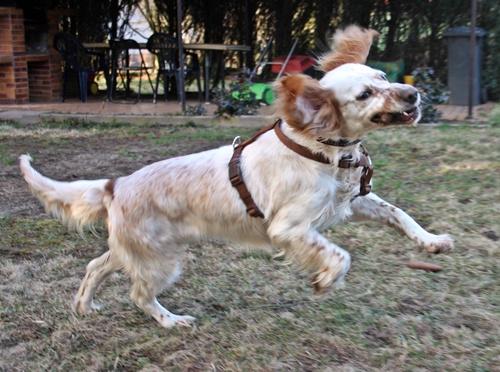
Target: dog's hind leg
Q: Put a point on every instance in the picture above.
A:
(145, 287)
(97, 271)
(374, 208)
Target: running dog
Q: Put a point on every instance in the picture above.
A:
(306, 173)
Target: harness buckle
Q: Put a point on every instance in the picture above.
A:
(236, 181)
(347, 161)
(364, 182)
(254, 211)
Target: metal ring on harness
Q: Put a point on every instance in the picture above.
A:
(236, 142)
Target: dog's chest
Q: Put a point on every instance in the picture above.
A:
(348, 183)
(338, 190)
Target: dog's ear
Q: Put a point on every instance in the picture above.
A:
(350, 45)
(306, 106)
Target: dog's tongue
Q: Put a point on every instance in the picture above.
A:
(386, 118)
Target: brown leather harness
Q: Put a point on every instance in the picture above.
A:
(346, 162)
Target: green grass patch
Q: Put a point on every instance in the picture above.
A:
(5, 157)
(494, 118)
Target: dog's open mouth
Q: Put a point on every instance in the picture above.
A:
(402, 117)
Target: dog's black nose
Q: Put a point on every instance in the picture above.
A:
(409, 94)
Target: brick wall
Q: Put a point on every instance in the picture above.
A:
(20, 79)
(55, 60)
(7, 84)
(38, 80)
(23, 76)
(6, 34)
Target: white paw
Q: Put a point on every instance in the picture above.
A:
(96, 306)
(85, 307)
(438, 243)
(185, 320)
(334, 271)
(172, 320)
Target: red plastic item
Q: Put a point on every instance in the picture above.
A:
(296, 64)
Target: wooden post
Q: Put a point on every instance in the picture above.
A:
(181, 91)
(472, 57)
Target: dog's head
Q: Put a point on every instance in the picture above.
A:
(351, 98)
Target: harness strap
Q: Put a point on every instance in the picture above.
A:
(236, 176)
(299, 149)
(364, 161)
(347, 161)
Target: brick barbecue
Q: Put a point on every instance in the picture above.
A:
(30, 68)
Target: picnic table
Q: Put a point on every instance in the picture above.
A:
(207, 50)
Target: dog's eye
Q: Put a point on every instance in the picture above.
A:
(384, 77)
(366, 94)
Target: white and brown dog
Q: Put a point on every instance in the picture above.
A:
(153, 212)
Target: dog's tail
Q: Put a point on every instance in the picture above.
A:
(77, 204)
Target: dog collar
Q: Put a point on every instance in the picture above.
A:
(343, 142)
(346, 162)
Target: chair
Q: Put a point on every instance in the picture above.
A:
(123, 65)
(164, 47)
(76, 59)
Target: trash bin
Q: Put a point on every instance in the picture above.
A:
(458, 39)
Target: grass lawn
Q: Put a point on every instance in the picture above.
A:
(254, 312)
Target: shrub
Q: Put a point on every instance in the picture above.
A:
(238, 100)
(197, 110)
(491, 72)
(432, 92)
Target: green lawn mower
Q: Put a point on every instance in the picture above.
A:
(289, 64)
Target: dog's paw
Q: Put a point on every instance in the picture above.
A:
(439, 243)
(333, 273)
(173, 320)
(185, 320)
(82, 308)
(96, 306)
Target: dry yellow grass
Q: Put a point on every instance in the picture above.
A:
(255, 313)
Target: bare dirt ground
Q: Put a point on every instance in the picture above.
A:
(254, 312)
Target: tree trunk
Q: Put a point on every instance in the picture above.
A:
(358, 12)
(283, 27)
(114, 13)
(172, 17)
(392, 24)
(214, 13)
(249, 10)
(323, 14)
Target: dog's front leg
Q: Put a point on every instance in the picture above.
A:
(328, 262)
(374, 208)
